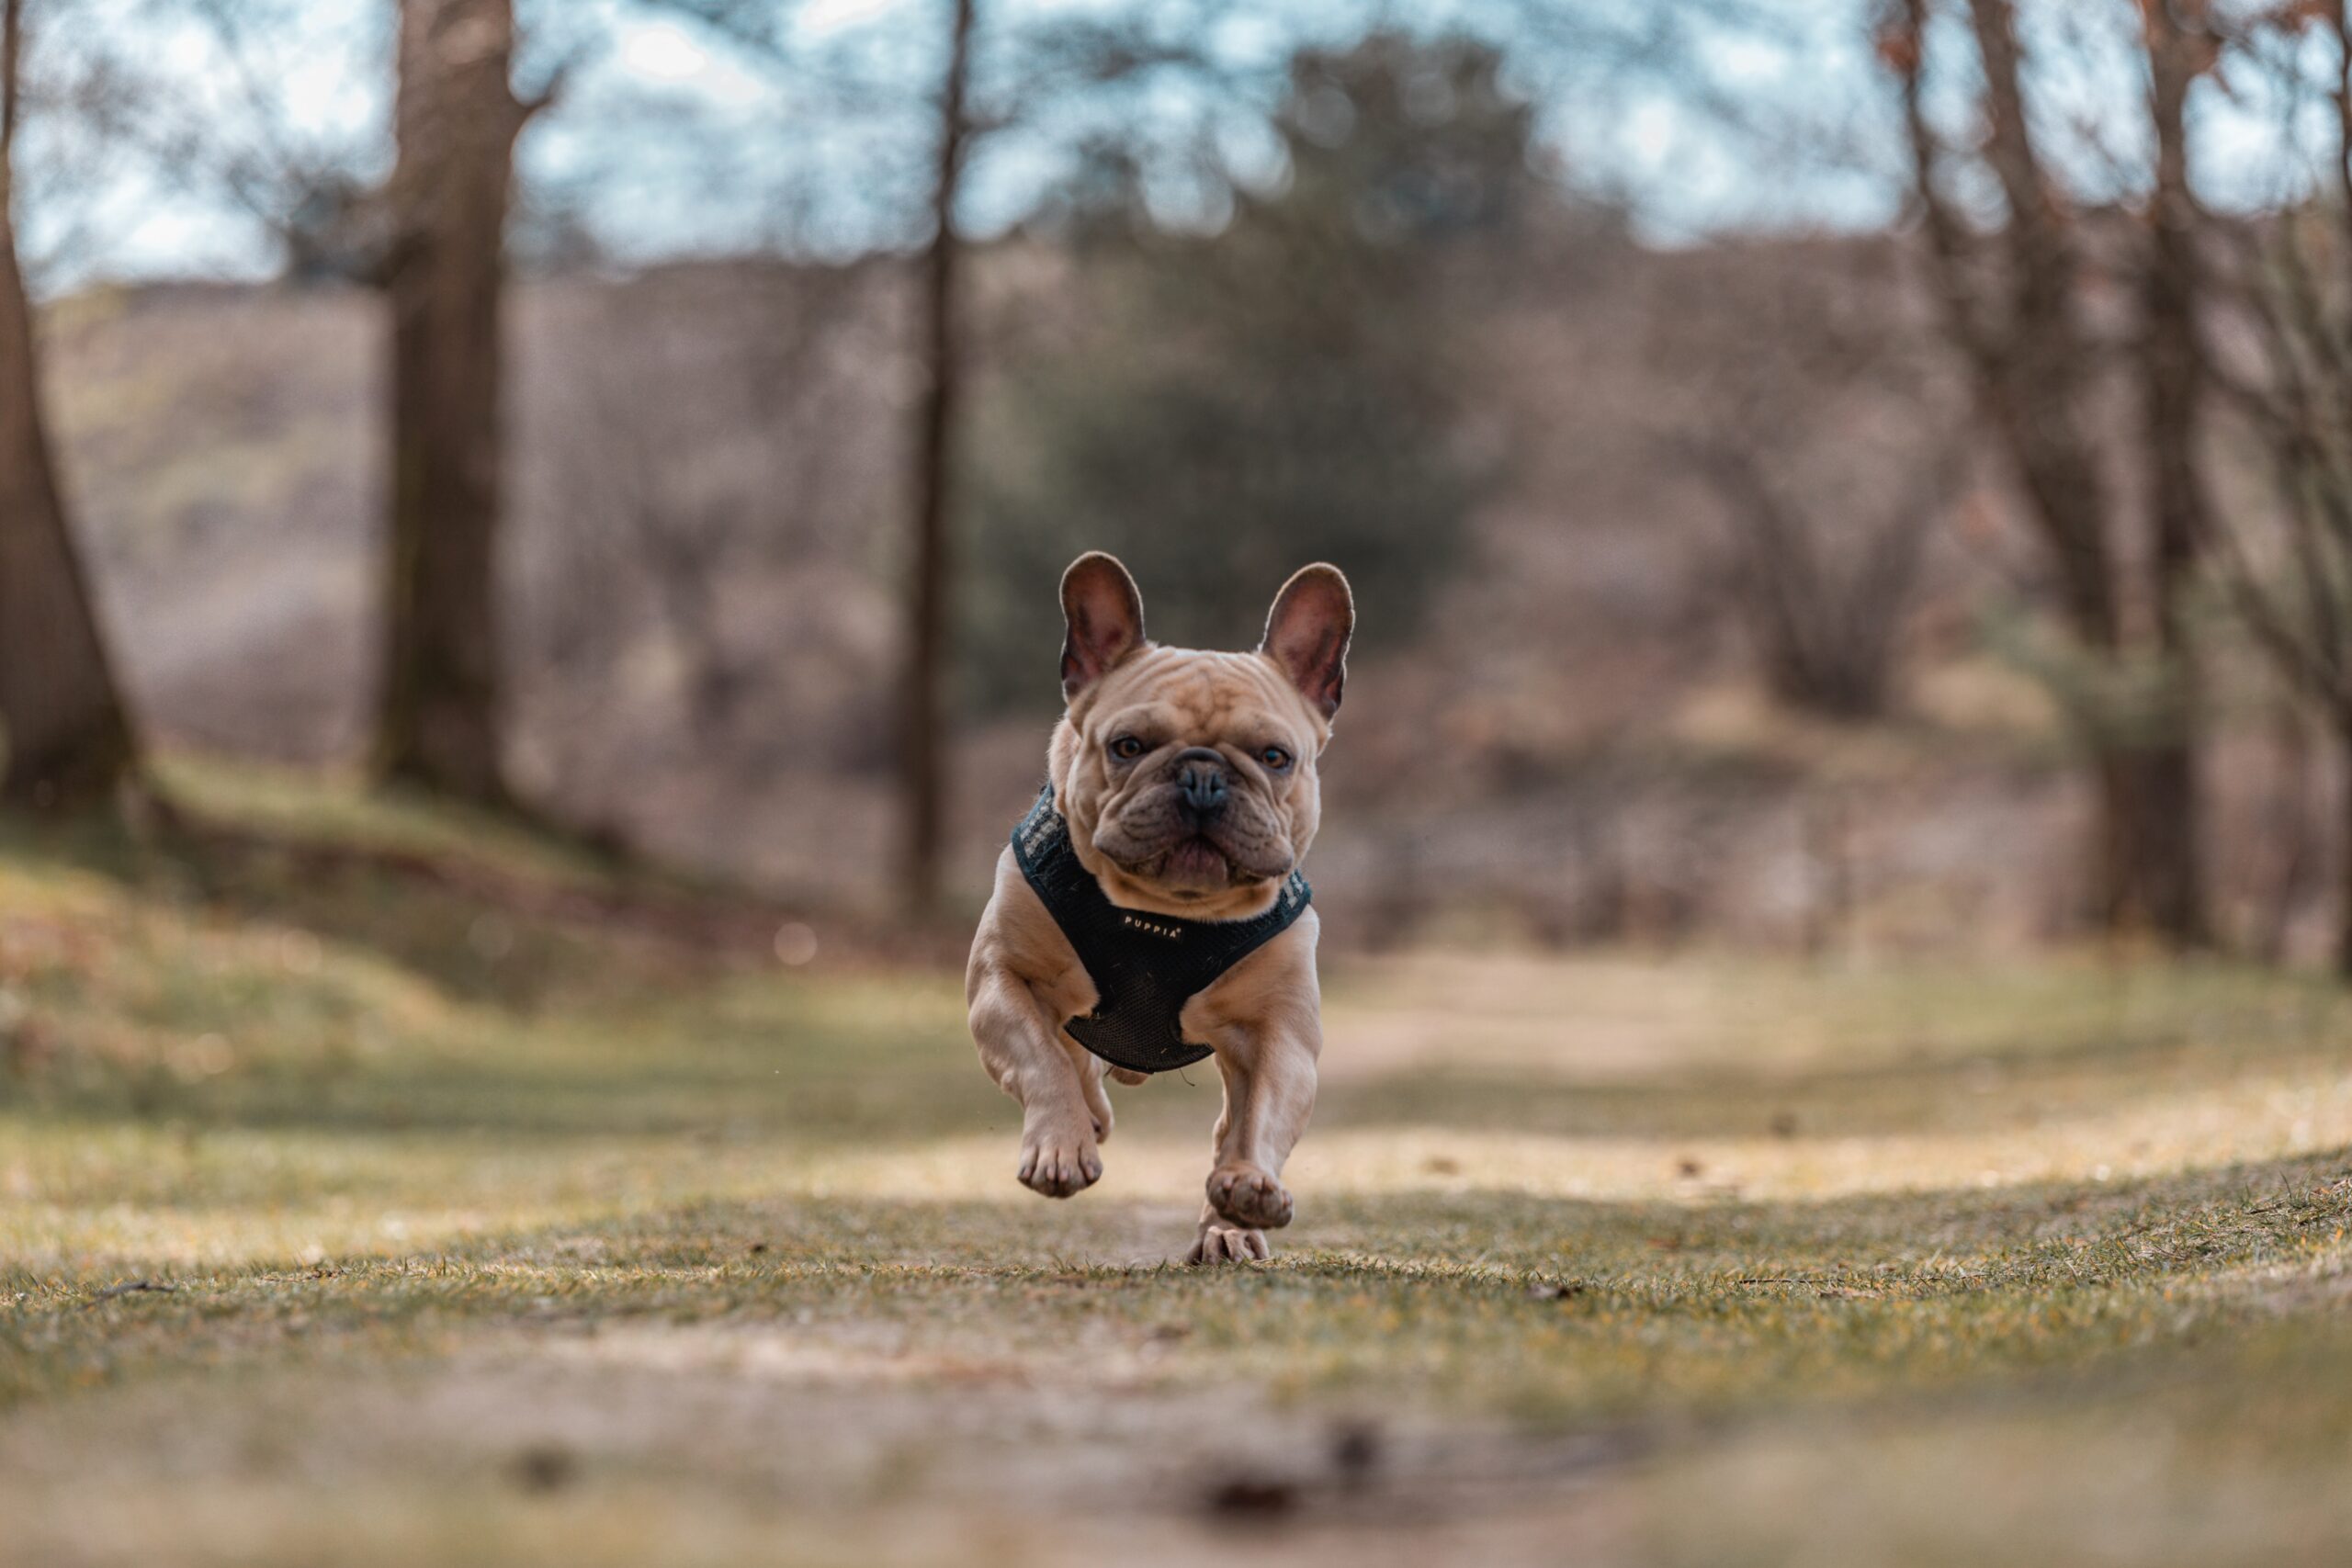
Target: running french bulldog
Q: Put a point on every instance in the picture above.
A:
(1150, 913)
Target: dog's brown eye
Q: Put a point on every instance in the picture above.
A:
(1275, 759)
(1127, 748)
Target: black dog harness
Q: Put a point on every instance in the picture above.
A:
(1145, 966)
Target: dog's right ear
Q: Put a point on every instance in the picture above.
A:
(1308, 633)
(1104, 615)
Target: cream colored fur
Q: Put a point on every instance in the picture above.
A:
(1263, 1017)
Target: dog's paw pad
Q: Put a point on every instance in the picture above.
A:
(1059, 1168)
(1249, 1197)
(1221, 1243)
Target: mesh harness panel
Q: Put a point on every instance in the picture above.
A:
(1145, 966)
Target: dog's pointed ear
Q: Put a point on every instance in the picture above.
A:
(1308, 633)
(1105, 616)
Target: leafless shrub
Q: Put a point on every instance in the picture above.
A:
(1831, 447)
(696, 453)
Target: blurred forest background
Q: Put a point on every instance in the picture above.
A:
(1854, 475)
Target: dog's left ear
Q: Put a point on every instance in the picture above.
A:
(1103, 613)
(1308, 633)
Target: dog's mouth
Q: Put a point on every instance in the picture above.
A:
(1195, 862)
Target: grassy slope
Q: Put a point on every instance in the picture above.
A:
(497, 1229)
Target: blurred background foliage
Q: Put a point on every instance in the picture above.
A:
(1772, 525)
(1285, 389)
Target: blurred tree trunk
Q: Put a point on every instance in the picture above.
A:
(2289, 807)
(2016, 319)
(457, 120)
(2173, 389)
(63, 735)
(2289, 574)
(2344, 889)
(922, 748)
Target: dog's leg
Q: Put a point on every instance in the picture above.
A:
(1269, 1093)
(1064, 1113)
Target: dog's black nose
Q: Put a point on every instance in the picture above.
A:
(1200, 780)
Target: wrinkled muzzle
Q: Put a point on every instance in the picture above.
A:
(1197, 828)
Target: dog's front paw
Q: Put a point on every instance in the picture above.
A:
(1249, 1197)
(1059, 1162)
(1222, 1243)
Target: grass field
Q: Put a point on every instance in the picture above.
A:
(378, 1187)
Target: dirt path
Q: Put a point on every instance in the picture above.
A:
(755, 1440)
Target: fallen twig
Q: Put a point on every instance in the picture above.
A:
(132, 1287)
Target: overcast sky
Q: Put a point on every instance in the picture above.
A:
(668, 140)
